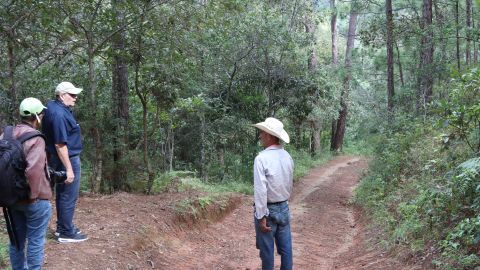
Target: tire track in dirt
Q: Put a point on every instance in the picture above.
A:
(323, 224)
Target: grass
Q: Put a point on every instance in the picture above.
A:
(169, 181)
(194, 206)
(4, 262)
(201, 210)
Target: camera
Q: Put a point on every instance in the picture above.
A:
(57, 176)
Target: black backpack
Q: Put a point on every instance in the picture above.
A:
(13, 181)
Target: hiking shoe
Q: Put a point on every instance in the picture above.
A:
(77, 231)
(78, 237)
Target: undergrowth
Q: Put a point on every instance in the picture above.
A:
(423, 188)
(185, 180)
(3, 245)
(422, 193)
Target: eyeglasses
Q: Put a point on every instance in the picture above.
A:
(72, 95)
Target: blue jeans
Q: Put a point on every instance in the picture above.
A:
(30, 225)
(66, 196)
(279, 221)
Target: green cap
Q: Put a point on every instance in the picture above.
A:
(31, 106)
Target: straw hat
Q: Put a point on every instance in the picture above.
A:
(274, 127)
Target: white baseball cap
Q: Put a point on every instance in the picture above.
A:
(31, 106)
(67, 87)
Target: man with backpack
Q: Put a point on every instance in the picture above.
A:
(23, 161)
(64, 145)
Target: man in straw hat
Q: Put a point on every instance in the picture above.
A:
(273, 182)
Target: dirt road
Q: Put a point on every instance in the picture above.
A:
(139, 232)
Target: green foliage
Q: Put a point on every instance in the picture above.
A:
(186, 206)
(461, 245)
(389, 191)
(4, 261)
(199, 74)
(462, 110)
(424, 185)
(466, 234)
(184, 181)
(194, 206)
(4, 246)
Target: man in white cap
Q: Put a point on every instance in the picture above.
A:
(29, 216)
(64, 145)
(273, 183)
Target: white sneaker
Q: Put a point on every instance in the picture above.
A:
(78, 237)
(57, 234)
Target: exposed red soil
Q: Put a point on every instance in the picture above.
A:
(130, 231)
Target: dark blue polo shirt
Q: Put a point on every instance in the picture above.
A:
(59, 126)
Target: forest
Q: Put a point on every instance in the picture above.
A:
(172, 87)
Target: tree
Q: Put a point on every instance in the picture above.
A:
(16, 16)
(120, 95)
(390, 67)
(425, 77)
(316, 124)
(468, 18)
(93, 34)
(142, 91)
(457, 30)
(342, 117)
(244, 60)
(333, 31)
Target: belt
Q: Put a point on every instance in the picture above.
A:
(275, 203)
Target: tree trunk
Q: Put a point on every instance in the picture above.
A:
(475, 49)
(333, 29)
(312, 66)
(298, 134)
(120, 96)
(399, 63)
(390, 74)
(97, 166)
(312, 59)
(457, 29)
(143, 99)
(342, 117)
(332, 137)
(11, 111)
(440, 21)
(203, 150)
(170, 146)
(316, 136)
(468, 18)
(425, 89)
(221, 161)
